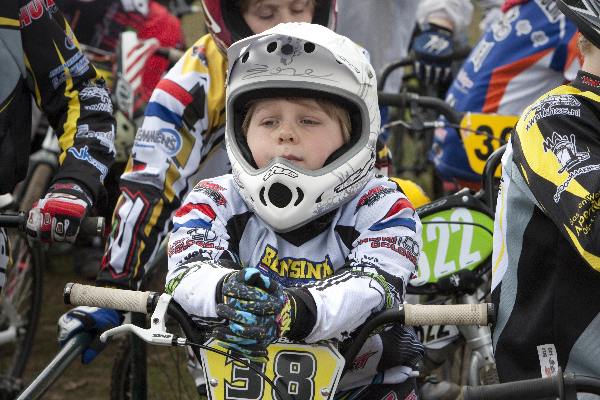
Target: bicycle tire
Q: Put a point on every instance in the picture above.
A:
(36, 186)
(23, 283)
(166, 366)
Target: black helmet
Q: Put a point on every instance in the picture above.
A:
(586, 15)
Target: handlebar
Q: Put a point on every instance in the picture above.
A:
(459, 54)
(403, 99)
(562, 386)
(408, 314)
(90, 226)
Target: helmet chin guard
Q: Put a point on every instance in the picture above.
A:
(301, 60)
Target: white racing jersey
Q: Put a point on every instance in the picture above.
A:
(353, 262)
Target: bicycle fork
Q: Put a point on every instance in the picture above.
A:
(482, 366)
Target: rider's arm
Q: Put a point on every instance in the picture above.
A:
(181, 133)
(384, 247)
(66, 86)
(200, 254)
(556, 161)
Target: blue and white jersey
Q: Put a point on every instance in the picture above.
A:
(529, 51)
(354, 262)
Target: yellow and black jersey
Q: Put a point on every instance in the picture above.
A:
(546, 260)
(41, 58)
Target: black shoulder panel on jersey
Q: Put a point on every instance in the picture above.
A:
(348, 234)
(235, 228)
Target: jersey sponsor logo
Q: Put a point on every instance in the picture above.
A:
(91, 92)
(373, 196)
(539, 38)
(200, 53)
(165, 139)
(565, 150)
(464, 81)
(181, 245)
(480, 54)
(361, 360)
(34, 10)
(550, 9)
(213, 191)
(84, 155)
(523, 27)
(295, 270)
(590, 81)
(563, 104)
(106, 139)
(583, 220)
(77, 65)
(405, 246)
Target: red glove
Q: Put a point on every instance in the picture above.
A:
(57, 216)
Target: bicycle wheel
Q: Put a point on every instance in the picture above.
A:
(20, 304)
(168, 375)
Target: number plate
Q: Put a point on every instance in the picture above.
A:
(436, 336)
(494, 132)
(453, 240)
(301, 370)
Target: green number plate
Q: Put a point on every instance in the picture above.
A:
(453, 240)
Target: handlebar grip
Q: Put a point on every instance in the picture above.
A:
(456, 314)
(13, 220)
(118, 299)
(540, 388)
(92, 226)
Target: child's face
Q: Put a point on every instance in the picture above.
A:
(261, 15)
(299, 131)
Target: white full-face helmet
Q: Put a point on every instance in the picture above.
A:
(301, 60)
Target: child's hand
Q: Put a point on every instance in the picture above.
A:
(257, 312)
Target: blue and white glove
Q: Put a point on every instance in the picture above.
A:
(57, 216)
(258, 312)
(91, 319)
(433, 48)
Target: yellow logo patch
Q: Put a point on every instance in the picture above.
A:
(295, 268)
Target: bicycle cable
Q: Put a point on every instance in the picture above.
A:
(476, 224)
(240, 360)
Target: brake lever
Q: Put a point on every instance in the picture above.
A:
(157, 333)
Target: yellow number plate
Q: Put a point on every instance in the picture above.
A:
(493, 131)
(301, 370)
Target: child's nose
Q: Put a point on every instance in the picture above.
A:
(287, 134)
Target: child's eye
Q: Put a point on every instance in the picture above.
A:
(268, 122)
(309, 121)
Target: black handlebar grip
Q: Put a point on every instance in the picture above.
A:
(92, 227)
(13, 220)
(540, 388)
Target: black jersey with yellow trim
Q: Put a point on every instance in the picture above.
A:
(546, 260)
(41, 58)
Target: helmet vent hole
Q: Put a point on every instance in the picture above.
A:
(280, 195)
(300, 196)
(271, 47)
(261, 195)
(287, 49)
(245, 57)
(309, 47)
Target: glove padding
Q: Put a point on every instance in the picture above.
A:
(57, 216)
(433, 48)
(90, 319)
(258, 312)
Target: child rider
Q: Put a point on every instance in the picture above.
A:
(301, 241)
